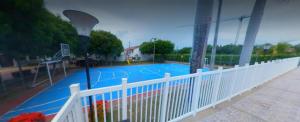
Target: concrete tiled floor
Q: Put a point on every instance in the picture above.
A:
(276, 101)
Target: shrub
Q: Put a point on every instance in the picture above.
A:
(100, 113)
(227, 59)
(29, 117)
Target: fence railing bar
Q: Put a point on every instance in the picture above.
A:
(111, 107)
(151, 102)
(177, 98)
(147, 96)
(155, 102)
(184, 105)
(160, 102)
(95, 108)
(130, 111)
(85, 109)
(180, 99)
(104, 107)
(190, 95)
(233, 81)
(169, 100)
(118, 105)
(208, 89)
(142, 99)
(136, 103)
(173, 99)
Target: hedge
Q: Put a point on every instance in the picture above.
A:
(221, 59)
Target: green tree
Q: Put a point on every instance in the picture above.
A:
(258, 50)
(284, 48)
(105, 44)
(229, 49)
(185, 50)
(297, 48)
(161, 47)
(28, 29)
(209, 48)
(264, 49)
(147, 47)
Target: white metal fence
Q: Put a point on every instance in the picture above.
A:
(168, 98)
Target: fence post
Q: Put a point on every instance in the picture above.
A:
(64, 66)
(124, 99)
(196, 91)
(270, 72)
(75, 89)
(244, 81)
(265, 70)
(233, 82)
(165, 98)
(217, 86)
(256, 75)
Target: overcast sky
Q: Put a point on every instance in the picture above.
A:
(140, 20)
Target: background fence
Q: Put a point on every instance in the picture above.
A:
(226, 59)
(168, 98)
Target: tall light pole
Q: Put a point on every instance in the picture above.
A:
(84, 23)
(237, 36)
(201, 30)
(214, 48)
(153, 40)
(252, 30)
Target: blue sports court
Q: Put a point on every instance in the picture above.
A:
(50, 100)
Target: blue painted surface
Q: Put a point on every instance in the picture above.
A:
(52, 99)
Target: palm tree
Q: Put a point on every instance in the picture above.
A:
(253, 27)
(201, 31)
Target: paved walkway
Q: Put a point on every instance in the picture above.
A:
(276, 101)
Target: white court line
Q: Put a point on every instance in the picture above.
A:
(126, 74)
(160, 75)
(172, 67)
(53, 108)
(38, 105)
(99, 76)
(113, 75)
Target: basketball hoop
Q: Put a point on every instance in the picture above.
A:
(65, 50)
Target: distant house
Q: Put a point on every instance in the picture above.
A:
(134, 53)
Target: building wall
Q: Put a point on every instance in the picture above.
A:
(135, 52)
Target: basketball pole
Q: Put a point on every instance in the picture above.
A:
(64, 66)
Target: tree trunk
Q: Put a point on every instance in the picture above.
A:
(201, 31)
(19, 65)
(252, 31)
(106, 60)
(3, 84)
(53, 70)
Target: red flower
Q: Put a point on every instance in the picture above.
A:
(100, 104)
(29, 117)
(100, 112)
